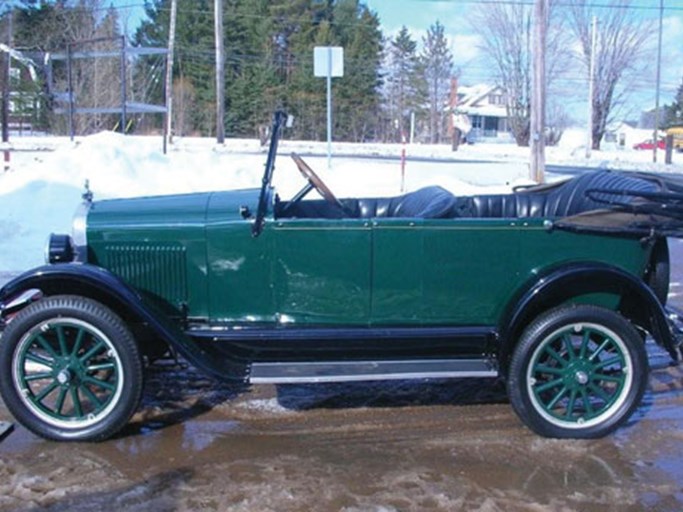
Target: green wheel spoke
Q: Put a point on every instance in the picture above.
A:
(570, 404)
(78, 342)
(98, 346)
(100, 383)
(608, 378)
(40, 360)
(99, 367)
(46, 346)
(76, 401)
(541, 368)
(48, 389)
(567, 340)
(553, 353)
(584, 344)
(586, 401)
(92, 396)
(60, 400)
(600, 392)
(548, 385)
(557, 398)
(597, 351)
(608, 362)
(38, 376)
(62, 340)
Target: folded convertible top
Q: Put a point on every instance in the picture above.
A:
(634, 202)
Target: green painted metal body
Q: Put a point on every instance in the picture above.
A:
(196, 255)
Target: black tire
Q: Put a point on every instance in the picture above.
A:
(70, 369)
(577, 372)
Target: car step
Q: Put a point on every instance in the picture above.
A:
(348, 371)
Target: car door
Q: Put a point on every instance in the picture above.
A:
(321, 270)
(442, 272)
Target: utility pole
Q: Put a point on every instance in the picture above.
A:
(591, 86)
(453, 130)
(538, 92)
(655, 135)
(5, 94)
(220, 73)
(168, 126)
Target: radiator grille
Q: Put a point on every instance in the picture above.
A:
(159, 269)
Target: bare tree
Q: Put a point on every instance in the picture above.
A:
(85, 27)
(621, 48)
(505, 33)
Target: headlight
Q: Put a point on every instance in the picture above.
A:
(59, 249)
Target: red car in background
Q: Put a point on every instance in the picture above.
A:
(649, 144)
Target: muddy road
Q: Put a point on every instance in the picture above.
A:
(377, 447)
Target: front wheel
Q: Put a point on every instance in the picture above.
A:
(70, 370)
(577, 372)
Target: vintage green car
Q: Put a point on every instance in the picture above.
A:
(553, 289)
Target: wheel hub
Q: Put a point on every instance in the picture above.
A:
(581, 377)
(578, 374)
(64, 376)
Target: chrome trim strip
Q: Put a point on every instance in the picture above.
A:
(79, 234)
(355, 371)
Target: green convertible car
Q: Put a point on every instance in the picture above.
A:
(553, 289)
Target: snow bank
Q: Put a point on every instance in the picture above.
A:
(41, 192)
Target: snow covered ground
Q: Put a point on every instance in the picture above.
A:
(43, 187)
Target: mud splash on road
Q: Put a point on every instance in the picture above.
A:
(446, 445)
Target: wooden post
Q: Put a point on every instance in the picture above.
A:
(168, 125)
(220, 73)
(538, 93)
(591, 86)
(6, 94)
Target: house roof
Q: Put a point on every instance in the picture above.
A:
(471, 101)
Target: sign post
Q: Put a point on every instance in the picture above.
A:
(328, 62)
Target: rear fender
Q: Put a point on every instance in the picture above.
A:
(105, 287)
(638, 303)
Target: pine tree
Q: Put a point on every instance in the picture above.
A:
(437, 65)
(358, 93)
(194, 55)
(673, 114)
(405, 84)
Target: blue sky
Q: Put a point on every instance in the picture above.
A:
(418, 15)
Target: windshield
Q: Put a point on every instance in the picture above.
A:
(279, 121)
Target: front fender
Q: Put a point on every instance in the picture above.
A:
(107, 288)
(637, 302)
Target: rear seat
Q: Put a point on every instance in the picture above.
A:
(556, 202)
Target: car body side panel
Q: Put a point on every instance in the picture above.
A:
(441, 272)
(462, 271)
(156, 244)
(105, 287)
(196, 254)
(321, 271)
(239, 264)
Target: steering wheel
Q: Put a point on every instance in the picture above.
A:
(315, 182)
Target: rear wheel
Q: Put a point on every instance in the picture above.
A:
(70, 369)
(577, 372)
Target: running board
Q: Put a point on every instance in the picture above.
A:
(349, 371)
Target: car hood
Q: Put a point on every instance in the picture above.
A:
(171, 210)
